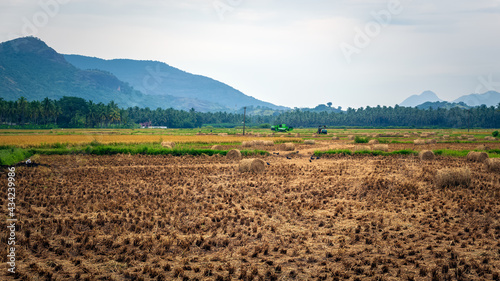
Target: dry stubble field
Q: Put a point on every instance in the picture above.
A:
(197, 218)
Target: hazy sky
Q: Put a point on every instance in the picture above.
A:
(293, 53)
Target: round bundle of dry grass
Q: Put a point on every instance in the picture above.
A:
(453, 177)
(217, 147)
(406, 136)
(362, 148)
(258, 142)
(309, 142)
(297, 135)
(381, 147)
(482, 147)
(234, 154)
(424, 135)
(376, 136)
(268, 143)
(475, 156)
(252, 165)
(350, 137)
(314, 135)
(247, 143)
(426, 155)
(446, 136)
(335, 138)
(168, 144)
(287, 146)
(373, 142)
(471, 139)
(492, 165)
(419, 142)
(431, 141)
(490, 138)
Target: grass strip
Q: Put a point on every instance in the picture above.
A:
(12, 155)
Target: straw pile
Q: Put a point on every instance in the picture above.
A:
(287, 146)
(492, 165)
(252, 165)
(310, 142)
(453, 177)
(234, 154)
(217, 147)
(490, 138)
(483, 147)
(362, 148)
(247, 144)
(168, 144)
(419, 142)
(431, 141)
(426, 155)
(373, 142)
(475, 156)
(268, 143)
(381, 147)
(335, 138)
(350, 137)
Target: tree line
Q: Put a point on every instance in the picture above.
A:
(78, 113)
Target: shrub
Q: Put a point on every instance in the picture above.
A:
(495, 134)
(359, 139)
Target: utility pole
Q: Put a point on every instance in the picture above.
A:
(244, 118)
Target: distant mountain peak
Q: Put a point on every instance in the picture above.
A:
(415, 100)
(490, 98)
(33, 46)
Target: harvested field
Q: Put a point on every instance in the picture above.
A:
(337, 218)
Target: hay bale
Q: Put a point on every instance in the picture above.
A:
(234, 154)
(419, 142)
(453, 177)
(258, 142)
(217, 147)
(446, 136)
(309, 142)
(490, 138)
(431, 141)
(471, 139)
(252, 166)
(492, 165)
(381, 147)
(362, 148)
(168, 144)
(351, 137)
(287, 146)
(424, 135)
(373, 142)
(426, 155)
(475, 156)
(406, 136)
(247, 143)
(268, 143)
(335, 138)
(482, 147)
(376, 135)
(297, 135)
(314, 135)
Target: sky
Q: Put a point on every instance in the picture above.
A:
(294, 53)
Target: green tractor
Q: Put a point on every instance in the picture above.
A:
(282, 128)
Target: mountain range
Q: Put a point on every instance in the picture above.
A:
(30, 68)
(430, 99)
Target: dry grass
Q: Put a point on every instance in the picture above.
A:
(360, 217)
(453, 177)
(309, 142)
(373, 142)
(431, 141)
(217, 147)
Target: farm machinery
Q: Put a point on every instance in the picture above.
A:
(282, 128)
(322, 130)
